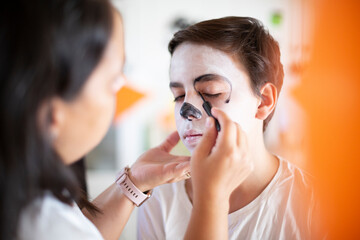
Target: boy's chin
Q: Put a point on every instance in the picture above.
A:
(190, 148)
(191, 143)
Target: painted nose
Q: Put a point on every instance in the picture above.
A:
(190, 112)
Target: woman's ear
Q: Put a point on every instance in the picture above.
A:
(268, 101)
(57, 117)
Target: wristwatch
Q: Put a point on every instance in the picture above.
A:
(130, 190)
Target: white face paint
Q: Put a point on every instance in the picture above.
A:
(191, 61)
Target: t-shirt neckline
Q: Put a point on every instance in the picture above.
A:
(253, 203)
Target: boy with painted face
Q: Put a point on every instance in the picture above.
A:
(233, 63)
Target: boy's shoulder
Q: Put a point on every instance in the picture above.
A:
(289, 172)
(293, 186)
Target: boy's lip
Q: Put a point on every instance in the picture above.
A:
(192, 133)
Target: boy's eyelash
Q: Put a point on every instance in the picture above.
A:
(178, 98)
(211, 95)
(205, 94)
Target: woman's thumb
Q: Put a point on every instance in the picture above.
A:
(207, 142)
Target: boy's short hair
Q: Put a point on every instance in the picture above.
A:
(247, 40)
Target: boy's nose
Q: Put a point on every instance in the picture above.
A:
(190, 112)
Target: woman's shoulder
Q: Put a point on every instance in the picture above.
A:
(49, 218)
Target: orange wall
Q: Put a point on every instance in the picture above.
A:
(330, 93)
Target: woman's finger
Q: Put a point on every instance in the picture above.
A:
(228, 134)
(207, 141)
(239, 135)
(170, 142)
(175, 170)
(178, 159)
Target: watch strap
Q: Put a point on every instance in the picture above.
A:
(129, 189)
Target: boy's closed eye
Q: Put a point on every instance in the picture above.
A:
(179, 98)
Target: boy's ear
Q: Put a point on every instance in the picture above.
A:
(268, 101)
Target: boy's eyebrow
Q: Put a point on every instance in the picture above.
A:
(202, 78)
(205, 78)
(176, 85)
(210, 77)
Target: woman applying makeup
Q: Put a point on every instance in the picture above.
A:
(60, 67)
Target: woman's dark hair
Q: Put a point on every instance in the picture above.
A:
(244, 38)
(48, 48)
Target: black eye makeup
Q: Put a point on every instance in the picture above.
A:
(201, 86)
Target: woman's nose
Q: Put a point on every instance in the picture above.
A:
(190, 112)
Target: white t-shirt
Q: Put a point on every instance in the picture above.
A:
(282, 211)
(49, 218)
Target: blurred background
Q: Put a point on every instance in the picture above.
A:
(315, 123)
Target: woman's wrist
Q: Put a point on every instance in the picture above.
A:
(128, 187)
(141, 186)
(210, 200)
(210, 206)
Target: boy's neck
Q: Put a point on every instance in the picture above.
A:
(254, 185)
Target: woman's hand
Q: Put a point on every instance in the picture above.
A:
(157, 166)
(220, 162)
